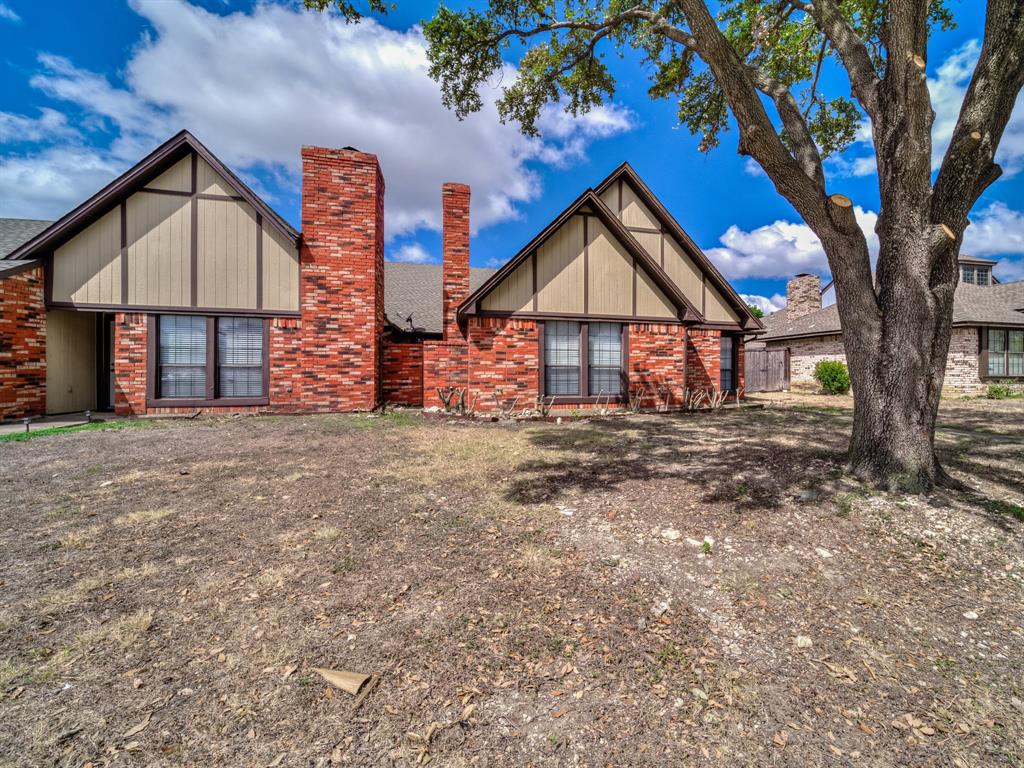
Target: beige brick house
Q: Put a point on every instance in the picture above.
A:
(987, 343)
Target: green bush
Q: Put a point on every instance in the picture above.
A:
(833, 377)
(999, 390)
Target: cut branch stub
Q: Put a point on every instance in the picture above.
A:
(841, 200)
(918, 61)
(947, 232)
(976, 135)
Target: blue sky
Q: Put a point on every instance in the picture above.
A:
(89, 88)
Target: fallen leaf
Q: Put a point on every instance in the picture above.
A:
(289, 671)
(558, 713)
(780, 739)
(138, 728)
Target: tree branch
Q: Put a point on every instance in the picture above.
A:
(851, 49)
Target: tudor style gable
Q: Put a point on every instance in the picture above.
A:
(178, 231)
(584, 264)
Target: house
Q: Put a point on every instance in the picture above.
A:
(176, 288)
(987, 342)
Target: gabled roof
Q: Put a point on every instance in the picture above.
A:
(151, 166)
(589, 199)
(412, 295)
(668, 221)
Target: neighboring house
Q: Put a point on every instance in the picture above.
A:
(176, 288)
(987, 342)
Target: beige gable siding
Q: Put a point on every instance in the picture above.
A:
(209, 182)
(514, 293)
(610, 197)
(87, 269)
(560, 269)
(177, 178)
(70, 361)
(651, 241)
(280, 272)
(716, 309)
(634, 212)
(226, 255)
(159, 250)
(650, 301)
(682, 270)
(610, 273)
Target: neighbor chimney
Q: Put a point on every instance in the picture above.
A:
(803, 295)
(455, 255)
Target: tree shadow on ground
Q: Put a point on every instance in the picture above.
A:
(750, 457)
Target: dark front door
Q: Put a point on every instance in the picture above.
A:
(105, 362)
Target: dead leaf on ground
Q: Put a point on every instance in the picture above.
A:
(138, 728)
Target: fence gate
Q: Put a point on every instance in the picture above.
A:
(766, 370)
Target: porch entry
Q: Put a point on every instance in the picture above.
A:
(79, 361)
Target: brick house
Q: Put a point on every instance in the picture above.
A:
(176, 288)
(987, 343)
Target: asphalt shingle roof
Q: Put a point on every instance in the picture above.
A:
(14, 232)
(412, 294)
(972, 305)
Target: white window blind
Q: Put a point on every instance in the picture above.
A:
(604, 358)
(182, 356)
(239, 357)
(561, 358)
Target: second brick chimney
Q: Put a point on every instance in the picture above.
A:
(455, 255)
(803, 295)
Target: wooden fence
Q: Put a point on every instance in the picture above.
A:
(766, 370)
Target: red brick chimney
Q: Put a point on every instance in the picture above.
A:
(455, 255)
(803, 295)
(341, 281)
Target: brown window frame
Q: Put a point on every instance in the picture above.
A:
(153, 398)
(585, 397)
(985, 353)
(735, 361)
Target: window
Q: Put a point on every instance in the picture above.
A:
(727, 364)
(182, 356)
(976, 275)
(561, 358)
(204, 359)
(239, 357)
(604, 358)
(968, 274)
(1005, 353)
(592, 348)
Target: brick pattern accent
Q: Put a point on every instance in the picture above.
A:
(455, 255)
(445, 364)
(22, 345)
(403, 373)
(341, 282)
(803, 296)
(704, 358)
(131, 335)
(285, 355)
(962, 365)
(657, 363)
(504, 363)
(804, 354)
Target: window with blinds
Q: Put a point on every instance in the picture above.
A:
(727, 365)
(604, 358)
(199, 358)
(239, 357)
(1005, 352)
(182, 356)
(561, 358)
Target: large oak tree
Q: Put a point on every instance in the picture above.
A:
(762, 62)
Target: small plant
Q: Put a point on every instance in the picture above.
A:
(741, 489)
(706, 546)
(544, 406)
(1001, 390)
(636, 399)
(833, 376)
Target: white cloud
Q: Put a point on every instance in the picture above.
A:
(255, 86)
(765, 304)
(411, 253)
(996, 229)
(50, 183)
(780, 249)
(7, 13)
(50, 124)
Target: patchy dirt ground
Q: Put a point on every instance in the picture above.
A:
(684, 590)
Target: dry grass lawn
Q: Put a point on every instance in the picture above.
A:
(653, 590)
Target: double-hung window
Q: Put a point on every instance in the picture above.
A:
(205, 359)
(582, 359)
(1005, 355)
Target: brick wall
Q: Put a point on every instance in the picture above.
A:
(403, 372)
(445, 364)
(341, 283)
(131, 334)
(657, 363)
(803, 296)
(286, 371)
(504, 363)
(22, 345)
(806, 353)
(704, 358)
(962, 372)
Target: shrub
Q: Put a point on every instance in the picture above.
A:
(999, 390)
(833, 377)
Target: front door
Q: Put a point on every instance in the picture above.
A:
(105, 363)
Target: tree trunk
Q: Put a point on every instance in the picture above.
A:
(898, 362)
